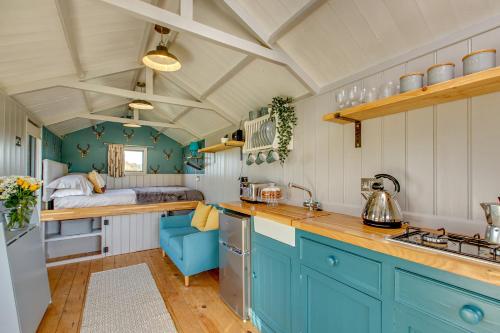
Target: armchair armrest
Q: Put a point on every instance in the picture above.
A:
(201, 251)
(177, 221)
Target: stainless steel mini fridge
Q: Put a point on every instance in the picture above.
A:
(234, 262)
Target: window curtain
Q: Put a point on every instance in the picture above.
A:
(116, 160)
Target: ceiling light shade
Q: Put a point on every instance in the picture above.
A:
(161, 60)
(134, 125)
(141, 104)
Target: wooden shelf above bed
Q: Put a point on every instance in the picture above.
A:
(80, 213)
(476, 84)
(222, 146)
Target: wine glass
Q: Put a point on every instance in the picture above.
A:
(341, 99)
(354, 95)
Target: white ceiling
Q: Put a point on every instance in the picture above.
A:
(329, 40)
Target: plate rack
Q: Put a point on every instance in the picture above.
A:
(253, 126)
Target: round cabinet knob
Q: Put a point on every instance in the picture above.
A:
(332, 261)
(471, 314)
(254, 275)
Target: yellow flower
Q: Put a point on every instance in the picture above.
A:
(20, 181)
(33, 187)
(25, 185)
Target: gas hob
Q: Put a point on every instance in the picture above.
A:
(460, 245)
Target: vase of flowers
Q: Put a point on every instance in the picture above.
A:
(18, 194)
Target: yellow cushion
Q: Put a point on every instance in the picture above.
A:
(97, 181)
(212, 220)
(200, 216)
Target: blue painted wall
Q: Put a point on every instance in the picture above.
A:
(52, 146)
(186, 152)
(113, 133)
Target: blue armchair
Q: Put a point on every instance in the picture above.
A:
(191, 250)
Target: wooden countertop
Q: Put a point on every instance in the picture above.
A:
(351, 230)
(79, 213)
(282, 213)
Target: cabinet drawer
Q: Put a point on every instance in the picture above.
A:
(352, 269)
(465, 309)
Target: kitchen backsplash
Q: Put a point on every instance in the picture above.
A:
(445, 156)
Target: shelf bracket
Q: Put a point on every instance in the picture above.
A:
(357, 128)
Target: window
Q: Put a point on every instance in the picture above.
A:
(136, 160)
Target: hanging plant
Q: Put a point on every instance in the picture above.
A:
(283, 114)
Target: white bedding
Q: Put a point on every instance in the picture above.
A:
(108, 198)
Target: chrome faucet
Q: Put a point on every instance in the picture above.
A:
(309, 203)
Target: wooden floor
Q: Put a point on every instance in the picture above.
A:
(195, 309)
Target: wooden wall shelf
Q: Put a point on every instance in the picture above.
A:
(476, 84)
(222, 146)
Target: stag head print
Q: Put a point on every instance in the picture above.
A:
(98, 132)
(155, 171)
(83, 151)
(99, 170)
(178, 170)
(155, 137)
(128, 135)
(167, 155)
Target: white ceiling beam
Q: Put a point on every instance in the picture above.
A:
(294, 20)
(133, 94)
(52, 82)
(150, 81)
(147, 36)
(63, 13)
(220, 111)
(125, 120)
(179, 23)
(254, 26)
(68, 116)
(187, 9)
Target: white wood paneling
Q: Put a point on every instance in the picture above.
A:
(13, 119)
(445, 156)
(143, 180)
(131, 233)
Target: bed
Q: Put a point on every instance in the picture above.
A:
(117, 221)
(112, 197)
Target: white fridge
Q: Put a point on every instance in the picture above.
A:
(24, 284)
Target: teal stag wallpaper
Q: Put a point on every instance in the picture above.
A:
(85, 150)
(51, 146)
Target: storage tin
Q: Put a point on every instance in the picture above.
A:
(440, 73)
(411, 81)
(479, 61)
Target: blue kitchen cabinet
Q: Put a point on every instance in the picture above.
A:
(323, 285)
(272, 281)
(411, 321)
(331, 306)
(272, 288)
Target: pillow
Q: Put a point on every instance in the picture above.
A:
(212, 220)
(200, 216)
(66, 193)
(76, 182)
(97, 181)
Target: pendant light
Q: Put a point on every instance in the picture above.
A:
(160, 59)
(133, 119)
(140, 103)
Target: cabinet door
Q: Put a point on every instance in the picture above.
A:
(331, 306)
(271, 289)
(412, 321)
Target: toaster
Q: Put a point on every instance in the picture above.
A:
(251, 191)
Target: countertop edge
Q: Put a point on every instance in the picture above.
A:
(472, 269)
